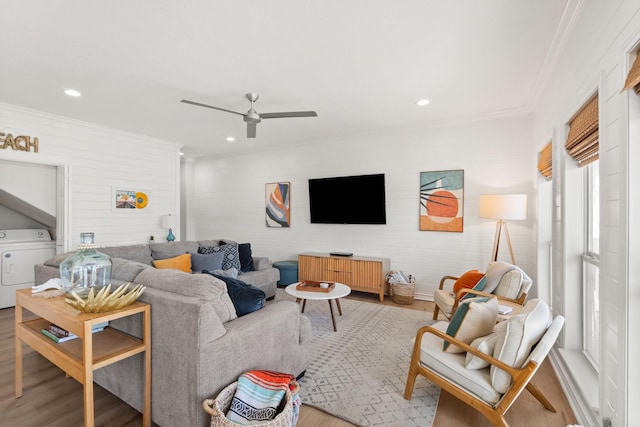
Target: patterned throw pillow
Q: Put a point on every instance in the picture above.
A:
(231, 255)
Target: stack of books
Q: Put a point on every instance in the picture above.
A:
(60, 335)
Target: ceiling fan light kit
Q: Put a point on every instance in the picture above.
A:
(251, 117)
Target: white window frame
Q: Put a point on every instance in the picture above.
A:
(591, 268)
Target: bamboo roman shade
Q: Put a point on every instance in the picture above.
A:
(544, 163)
(583, 143)
(633, 79)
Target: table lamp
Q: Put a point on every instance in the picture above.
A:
(503, 207)
(169, 221)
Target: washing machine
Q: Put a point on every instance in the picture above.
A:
(20, 251)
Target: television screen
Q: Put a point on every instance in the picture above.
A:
(348, 200)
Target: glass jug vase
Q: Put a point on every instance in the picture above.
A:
(85, 269)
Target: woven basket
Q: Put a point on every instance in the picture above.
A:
(219, 406)
(402, 293)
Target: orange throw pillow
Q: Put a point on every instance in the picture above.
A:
(181, 262)
(468, 280)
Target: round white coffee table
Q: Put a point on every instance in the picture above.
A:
(338, 291)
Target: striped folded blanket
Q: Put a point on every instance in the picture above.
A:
(258, 395)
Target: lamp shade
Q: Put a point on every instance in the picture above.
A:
(169, 221)
(503, 206)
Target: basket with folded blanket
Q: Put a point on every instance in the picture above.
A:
(258, 398)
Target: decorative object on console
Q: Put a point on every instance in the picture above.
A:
(85, 269)
(503, 207)
(441, 200)
(169, 221)
(278, 204)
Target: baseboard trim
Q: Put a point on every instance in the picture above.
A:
(579, 403)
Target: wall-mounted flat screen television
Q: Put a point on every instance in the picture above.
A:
(348, 200)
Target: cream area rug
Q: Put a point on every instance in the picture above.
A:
(359, 372)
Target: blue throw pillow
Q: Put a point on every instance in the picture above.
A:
(231, 255)
(246, 257)
(246, 298)
(208, 262)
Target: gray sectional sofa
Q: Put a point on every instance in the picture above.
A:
(199, 345)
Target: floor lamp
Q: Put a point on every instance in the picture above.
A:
(503, 207)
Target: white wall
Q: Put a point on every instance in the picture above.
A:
(596, 58)
(496, 156)
(99, 159)
(32, 183)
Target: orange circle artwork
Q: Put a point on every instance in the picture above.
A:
(442, 204)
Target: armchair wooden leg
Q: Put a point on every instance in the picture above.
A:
(411, 382)
(435, 313)
(535, 392)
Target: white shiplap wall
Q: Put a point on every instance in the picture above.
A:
(496, 156)
(99, 159)
(596, 58)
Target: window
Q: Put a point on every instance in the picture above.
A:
(591, 267)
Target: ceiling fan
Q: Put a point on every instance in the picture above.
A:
(251, 117)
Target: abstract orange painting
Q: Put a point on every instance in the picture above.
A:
(278, 211)
(441, 200)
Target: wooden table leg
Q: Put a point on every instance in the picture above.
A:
(87, 356)
(18, 353)
(333, 318)
(146, 415)
(338, 304)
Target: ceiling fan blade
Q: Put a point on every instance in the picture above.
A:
(289, 114)
(210, 106)
(251, 130)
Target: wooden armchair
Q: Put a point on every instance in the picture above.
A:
(505, 281)
(483, 389)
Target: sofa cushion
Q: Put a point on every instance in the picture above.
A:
(473, 318)
(209, 262)
(231, 255)
(246, 258)
(515, 340)
(201, 286)
(172, 249)
(138, 253)
(125, 270)
(180, 262)
(495, 271)
(246, 298)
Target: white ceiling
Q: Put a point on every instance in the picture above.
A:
(361, 64)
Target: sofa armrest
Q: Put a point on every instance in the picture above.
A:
(274, 338)
(261, 263)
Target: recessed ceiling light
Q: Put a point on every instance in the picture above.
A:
(181, 153)
(72, 92)
(423, 102)
(230, 139)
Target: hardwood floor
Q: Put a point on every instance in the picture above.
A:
(51, 399)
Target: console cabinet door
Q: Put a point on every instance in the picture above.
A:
(366, 275)
(311, 268)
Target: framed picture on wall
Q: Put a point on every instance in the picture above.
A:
(278, 204)
(128, 200)
(441, 200)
